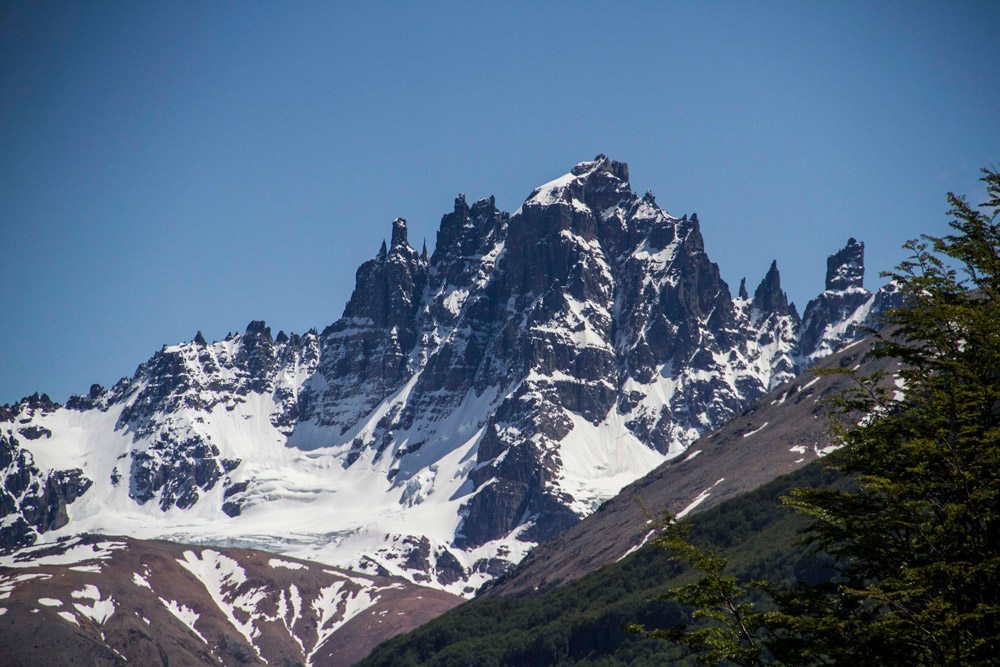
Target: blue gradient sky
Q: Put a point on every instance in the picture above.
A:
(169, 167)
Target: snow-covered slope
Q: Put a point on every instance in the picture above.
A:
(467, 405)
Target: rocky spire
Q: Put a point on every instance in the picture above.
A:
(601, 162)
(695, 241)
(258, 327)
(768, 297)
(199, 339)
(465, 228)
(845, 293)
(398, 233)
(743, 289)
(386, 288)
(846, 267)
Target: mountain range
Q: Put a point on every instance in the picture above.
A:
(468, 405)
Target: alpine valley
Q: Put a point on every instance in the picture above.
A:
(468, 405)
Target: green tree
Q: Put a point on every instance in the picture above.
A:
(916, 533)
(727, 622)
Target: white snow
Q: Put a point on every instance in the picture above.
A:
(184, 614)
(94, 569)
(50, 602)
(691, 455)
(336, 605)
(756, 430)
(7, 585)
(287, 564)
(99, 611)
(553, 191)
(69, 617)
(698, 500)
(597, 461)
(635, 548)
(224, 579)
(290, 604)
(73, 553)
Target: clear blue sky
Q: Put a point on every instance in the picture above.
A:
(169, 167)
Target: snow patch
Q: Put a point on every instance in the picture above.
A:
(641, 544)
(756, 430)
(699, 499)
(287, 564)
(184, 614)
(69, 617)
(222, 577)
(140, 580)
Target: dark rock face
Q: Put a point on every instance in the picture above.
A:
(366, 350)
(38, 499)
(28, 407)
(174, 472)
(846, 267)
(839, 314)
(769, 297)
(96, 399)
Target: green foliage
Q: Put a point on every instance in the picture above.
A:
(916, 536)
(730, 618)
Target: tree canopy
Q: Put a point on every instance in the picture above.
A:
(915, 534)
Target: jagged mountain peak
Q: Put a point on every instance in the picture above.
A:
(463, 231)
(769, 297)
(398, 233)
(743, 294)
(839, 314)
(592, 185)
(601, 163)
(845, 269)
(258, 327)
